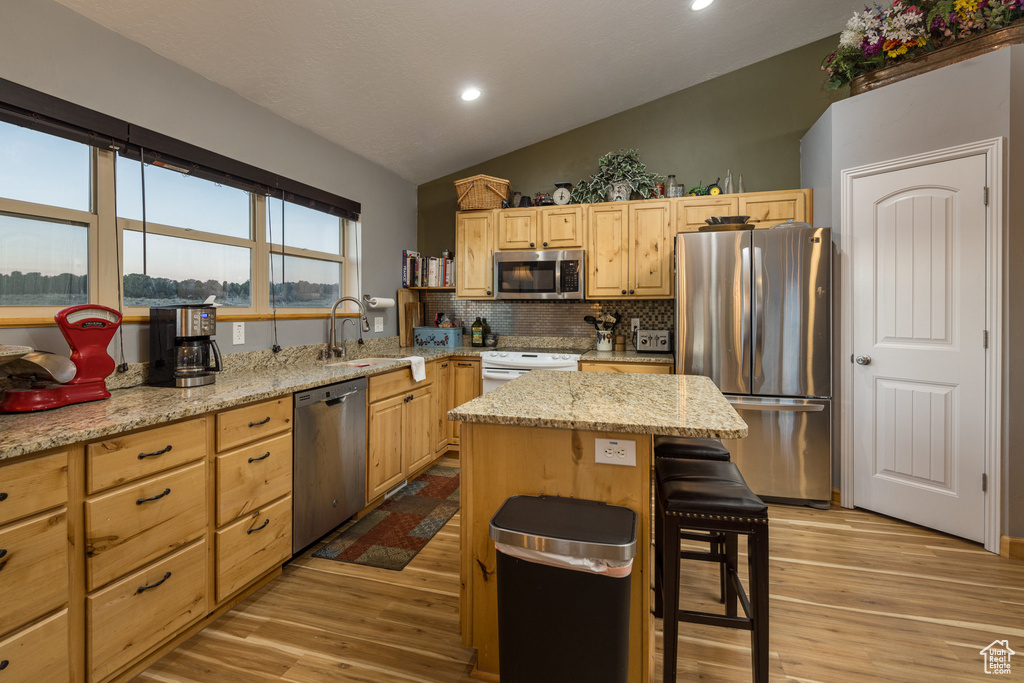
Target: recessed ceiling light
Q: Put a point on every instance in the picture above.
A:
(470, 94)
(700, 4)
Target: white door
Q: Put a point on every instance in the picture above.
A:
(918, 263)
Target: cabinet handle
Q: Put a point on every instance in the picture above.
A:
(262, 457)
(158, 496)
(3, 664)
(631, 291)
(623, 291)
(141, 589)
(545, 244)
(488, 292)
(143, 456)
(3, 496)
(3, 554)
(261, 422)
(532, 244)
(253, 530)
(444, 365)
(465, 365)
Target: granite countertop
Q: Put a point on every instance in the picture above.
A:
(134, 407)
(674, 405)
(629, 357)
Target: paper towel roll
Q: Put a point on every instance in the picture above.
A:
(380, 302)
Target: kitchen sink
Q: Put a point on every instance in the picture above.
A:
(362, 362)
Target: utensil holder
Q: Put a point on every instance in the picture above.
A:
(604, 340)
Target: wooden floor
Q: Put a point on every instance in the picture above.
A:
(854, 597)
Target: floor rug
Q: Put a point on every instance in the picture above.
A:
(391, 535)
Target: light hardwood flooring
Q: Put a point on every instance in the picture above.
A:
(854, 597)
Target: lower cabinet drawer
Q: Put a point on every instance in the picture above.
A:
(32, 485)
(130, 617)
(37, 653)
(33, 569)
(252, 546)
(244, 425)
(139, 522)
(253, 476)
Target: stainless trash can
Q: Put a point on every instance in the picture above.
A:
(563, 573)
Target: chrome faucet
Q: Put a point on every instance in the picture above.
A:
(333, 349)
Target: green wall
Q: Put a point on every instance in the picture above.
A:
(750, 121)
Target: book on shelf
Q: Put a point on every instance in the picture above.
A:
(433, 272)
(424, 271)
(408, 257)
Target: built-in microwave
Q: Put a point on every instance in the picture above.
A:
(539, 274)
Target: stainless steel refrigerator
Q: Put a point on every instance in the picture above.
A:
(753, 313)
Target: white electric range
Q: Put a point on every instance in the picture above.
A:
(498, 367)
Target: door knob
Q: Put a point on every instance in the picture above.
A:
(863, 360)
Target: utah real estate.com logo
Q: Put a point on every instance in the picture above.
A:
(997, 657)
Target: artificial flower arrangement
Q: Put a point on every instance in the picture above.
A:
(879, 37)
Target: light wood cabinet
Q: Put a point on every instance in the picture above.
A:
(629, 250)
(474, 254)
(397, 382)
(243, 425)
(34, 578)
(252, 476)
(419, 430)
(385, 445)
(37, 653)
(442, 401)
(252, 546)
(769, 208)
(611, 366)
(517, 229)
(539, 228)
(32, 485)
(138, 522)
(137, 613)
(690, 214)
(466, 385)
(127, 457)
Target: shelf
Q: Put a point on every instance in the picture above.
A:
(433, 289)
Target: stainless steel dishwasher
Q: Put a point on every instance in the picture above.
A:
(328, 459)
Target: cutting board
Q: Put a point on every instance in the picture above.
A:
(409, 307)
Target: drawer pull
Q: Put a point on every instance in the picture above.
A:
(261, 422)
(262, 457)
(3, 664)
(265, 523)
(143, 456)
(3, 496)
(140, 589)
(158, 496)
(3, 562)
(465, 365)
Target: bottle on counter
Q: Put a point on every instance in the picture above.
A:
(487, 328)
(478, 332)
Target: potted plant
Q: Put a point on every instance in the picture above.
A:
(620, 174)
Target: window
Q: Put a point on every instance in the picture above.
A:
(58, 233)
(47, 226)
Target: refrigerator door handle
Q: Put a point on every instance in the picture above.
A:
(745, 309)
(757, 273)
(779, 407)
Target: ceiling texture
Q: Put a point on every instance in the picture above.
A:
(383, 79)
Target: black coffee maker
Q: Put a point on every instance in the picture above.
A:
(182, 352)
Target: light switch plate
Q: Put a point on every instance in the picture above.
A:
(237, 333)
(615, 452)
(378, 323)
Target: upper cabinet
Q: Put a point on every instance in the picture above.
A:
(474, 254)
(629, 250)
(548, 227)
(691, 213)
(768, 208)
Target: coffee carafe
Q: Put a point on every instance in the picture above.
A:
(182, 352)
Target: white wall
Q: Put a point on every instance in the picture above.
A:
(48, 47)
(958, 104)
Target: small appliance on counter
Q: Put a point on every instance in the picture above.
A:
(652, 341)
(182, 352)
(59, 381)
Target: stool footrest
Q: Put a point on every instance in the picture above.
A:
(708, 619)
(702, 556)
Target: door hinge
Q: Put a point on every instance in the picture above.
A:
(986, 195)
(984, 482)
(984, 339)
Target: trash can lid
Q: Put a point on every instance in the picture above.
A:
(566, 526)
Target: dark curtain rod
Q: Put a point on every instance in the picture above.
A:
(36, 110)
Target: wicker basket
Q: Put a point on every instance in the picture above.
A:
(481, 192)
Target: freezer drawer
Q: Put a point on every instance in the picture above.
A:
(787, 455)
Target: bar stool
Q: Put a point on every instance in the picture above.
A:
(711, 496)
(689, 448)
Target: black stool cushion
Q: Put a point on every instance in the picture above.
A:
(695, 449)
(706, 487)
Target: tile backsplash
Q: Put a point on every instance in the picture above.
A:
(548, 318)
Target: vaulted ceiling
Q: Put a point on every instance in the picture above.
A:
(383, 78)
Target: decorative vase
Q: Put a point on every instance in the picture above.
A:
(619, 192)
(944, 56)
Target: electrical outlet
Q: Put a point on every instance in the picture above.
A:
(378, 323)
(634, 325)
(615, 452)
(237, 333)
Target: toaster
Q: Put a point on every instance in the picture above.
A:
(653, 341)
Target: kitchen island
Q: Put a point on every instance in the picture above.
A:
(536, 435)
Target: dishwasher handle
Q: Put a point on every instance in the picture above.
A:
(331, 402)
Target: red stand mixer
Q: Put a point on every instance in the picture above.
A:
(88, 329)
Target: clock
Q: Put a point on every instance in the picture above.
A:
(563, 193)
